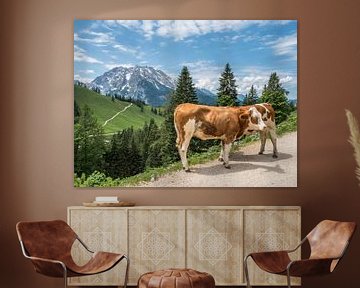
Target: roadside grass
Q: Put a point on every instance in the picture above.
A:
(98, 179)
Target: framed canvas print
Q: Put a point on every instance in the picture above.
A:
(185, 103)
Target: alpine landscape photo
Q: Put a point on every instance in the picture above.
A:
(185, 103)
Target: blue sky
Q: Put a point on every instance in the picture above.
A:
(253, 48)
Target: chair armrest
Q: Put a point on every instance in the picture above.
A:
(298, 246)
(84, 245)
(49, 267)
(309, 267)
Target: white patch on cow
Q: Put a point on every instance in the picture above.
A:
(189, 129)
(260, 125)
(189, 126)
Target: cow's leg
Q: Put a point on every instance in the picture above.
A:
(221, 157)
(189, 129)
(179, 144)
(273, 138)
(263, 136)
(227, 148)
(183, 153)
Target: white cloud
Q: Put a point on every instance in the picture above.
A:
(114, 65)
(96, 38)
(123, 48)
(286, 79)
(286, 45)
(259, 76)
(82, 79)
(205, 74)
(181, 29)
(88, 71)
(81, 56)
(77, 48)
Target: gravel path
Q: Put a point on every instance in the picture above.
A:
(248, 169)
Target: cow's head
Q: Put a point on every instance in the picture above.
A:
(255, 121)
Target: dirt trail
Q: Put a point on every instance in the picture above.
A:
(117, 114)
(248, 169)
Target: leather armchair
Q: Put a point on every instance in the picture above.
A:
(48, 245)
(328, 243)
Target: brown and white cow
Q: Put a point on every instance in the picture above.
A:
(268, 116)
(209, 122)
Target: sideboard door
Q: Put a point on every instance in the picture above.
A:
(156, 240)
(101, 230)
(214, 244)
(270, 230)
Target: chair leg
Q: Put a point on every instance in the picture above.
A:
(65, 276)
(127, 271)
(288, 278)
(246, 272)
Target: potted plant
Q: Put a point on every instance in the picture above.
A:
(354, 139)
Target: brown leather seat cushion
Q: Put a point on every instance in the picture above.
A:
(176, 278)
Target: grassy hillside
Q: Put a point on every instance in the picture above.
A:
(104, 108)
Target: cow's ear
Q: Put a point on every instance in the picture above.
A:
(244, 116)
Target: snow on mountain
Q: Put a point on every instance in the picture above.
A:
(142, 82)
(139, 82)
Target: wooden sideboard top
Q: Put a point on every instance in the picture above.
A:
(193, 207)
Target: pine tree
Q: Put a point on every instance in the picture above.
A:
(124, 158)
(115, 158)
(169, 152)
(227, 93)
(185, 91)
(134, 160)
(89, 144)
(276, 95)
(146, 137)
(77, 112)
(251, 98)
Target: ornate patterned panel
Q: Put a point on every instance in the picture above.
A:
(214, 244)
(156, 240)
(101, 230)
(266, 230)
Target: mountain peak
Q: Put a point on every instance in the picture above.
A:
(145, 83)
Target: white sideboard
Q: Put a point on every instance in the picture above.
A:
(211, 239)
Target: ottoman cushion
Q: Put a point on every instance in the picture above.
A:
(176, 278)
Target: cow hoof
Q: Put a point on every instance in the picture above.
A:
(227, 166)
(220, 159)
(275, 156)
(187, 170)
(260, 153)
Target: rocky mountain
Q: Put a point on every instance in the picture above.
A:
(142, 82)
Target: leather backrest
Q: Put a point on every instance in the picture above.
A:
(46, 239)
(329, 238)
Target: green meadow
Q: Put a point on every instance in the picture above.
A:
(104, 108)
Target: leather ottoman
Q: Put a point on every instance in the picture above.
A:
(176, 278)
